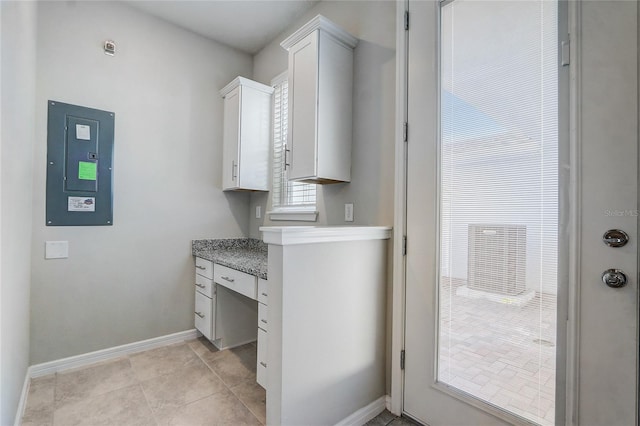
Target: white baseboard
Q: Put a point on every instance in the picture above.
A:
(23, 400)
(109, 353)
(365, 414)
(387, 402)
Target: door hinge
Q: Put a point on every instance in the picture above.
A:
(402, 359)
(404, 245)
(405, 132)
(406, 20)
(565, 59)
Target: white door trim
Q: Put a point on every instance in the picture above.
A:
(574, 221)
(400, 214)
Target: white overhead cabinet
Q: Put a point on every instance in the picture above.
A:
(320, 102)
(247, 132)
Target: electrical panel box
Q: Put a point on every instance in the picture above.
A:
(79, 166)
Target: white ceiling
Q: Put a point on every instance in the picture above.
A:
(247, 25)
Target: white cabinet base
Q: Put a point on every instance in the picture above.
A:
(326, 316)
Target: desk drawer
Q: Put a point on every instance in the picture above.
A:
(263, 290)
(237, 281)
(204, 285)
(203, 315)
(204, 267)
(261, 367)
(262, 316)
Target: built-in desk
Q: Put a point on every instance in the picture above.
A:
(231, 294)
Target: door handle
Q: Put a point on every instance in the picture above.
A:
(614, 278)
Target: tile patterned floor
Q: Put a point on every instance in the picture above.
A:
(501, 353)
(190, 383)
(387, 419)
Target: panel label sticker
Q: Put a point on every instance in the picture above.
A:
(83, 132)
(87, 170)
(81, 204)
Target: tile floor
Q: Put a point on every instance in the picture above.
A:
(190, 383)
(387, 419)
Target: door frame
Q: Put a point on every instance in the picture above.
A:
(571, 221)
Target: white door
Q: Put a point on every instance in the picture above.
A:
(517, 165)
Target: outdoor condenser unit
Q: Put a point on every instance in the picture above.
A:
(497, 258)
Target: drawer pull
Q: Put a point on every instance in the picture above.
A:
(264, 294)
(264, 364)
(200, 267)
(200, 285)
(228, 279)
(199, 314)
(263, 320)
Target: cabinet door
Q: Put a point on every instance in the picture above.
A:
(255, 134)
(230, 148)
(303, 108)
(204, 315)
(261, 367)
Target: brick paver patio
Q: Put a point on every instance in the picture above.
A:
(500, 353)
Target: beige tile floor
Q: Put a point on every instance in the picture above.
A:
(190, 383)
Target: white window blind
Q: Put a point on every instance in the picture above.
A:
(286, 195)
(499, 203)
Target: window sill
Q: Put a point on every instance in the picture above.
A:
(298, 215)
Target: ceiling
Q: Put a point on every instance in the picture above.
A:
(247, 25)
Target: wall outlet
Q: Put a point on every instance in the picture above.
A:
(258, 212)
(56, 249)
(348, 212)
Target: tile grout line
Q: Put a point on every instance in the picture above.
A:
(225, 385)
(247, 407)
(144, 394)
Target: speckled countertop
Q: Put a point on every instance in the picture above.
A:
(244, 254)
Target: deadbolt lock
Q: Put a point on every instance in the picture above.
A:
(615, 238)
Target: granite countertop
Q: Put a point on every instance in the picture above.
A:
(243, 254)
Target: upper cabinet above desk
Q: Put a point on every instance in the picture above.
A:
(247, 132)
(320, 102)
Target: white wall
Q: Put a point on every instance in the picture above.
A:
(18, 47)
(133, 280)
(372, 166)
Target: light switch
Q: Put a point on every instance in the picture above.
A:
(56, 249)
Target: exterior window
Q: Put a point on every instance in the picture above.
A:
(290, 200)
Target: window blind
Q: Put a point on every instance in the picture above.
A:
(286, 194)
(499, 203)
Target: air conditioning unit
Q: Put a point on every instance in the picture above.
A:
(497, 258)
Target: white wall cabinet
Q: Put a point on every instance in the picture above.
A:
(246, 135)
(320, 102)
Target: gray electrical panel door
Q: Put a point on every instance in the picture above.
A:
(79, 166)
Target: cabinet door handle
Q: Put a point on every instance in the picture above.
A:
(264, 364)
(286, 162)
(199, 314)
(264, 294)
(200, 267)
(200, 285)
(228, 279)
(263, 320)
